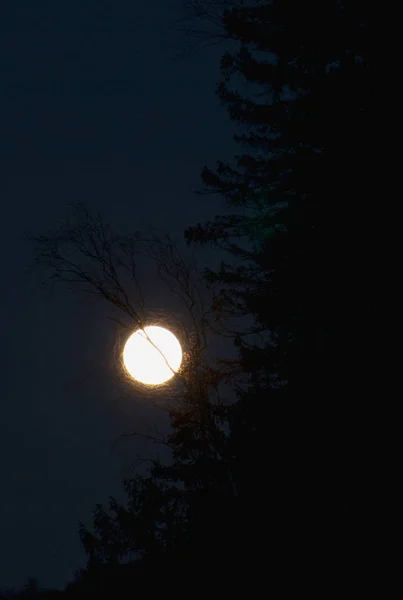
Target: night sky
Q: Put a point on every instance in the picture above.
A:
(94, 107)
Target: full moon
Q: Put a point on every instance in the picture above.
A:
(154, 360)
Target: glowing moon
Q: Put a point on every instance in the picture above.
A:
(152, 362)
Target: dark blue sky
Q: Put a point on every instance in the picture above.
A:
(93, 108)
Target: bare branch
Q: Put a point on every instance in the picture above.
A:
(200, 25)
(84, 253)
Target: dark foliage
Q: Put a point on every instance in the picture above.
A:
(301, 261)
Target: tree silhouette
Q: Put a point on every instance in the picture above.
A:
(295, 239)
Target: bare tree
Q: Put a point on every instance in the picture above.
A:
(86, 255)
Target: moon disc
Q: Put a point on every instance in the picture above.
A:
(155, 360)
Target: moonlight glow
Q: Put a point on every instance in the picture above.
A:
(152, 362)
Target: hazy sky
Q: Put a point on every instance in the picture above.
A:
(93, 108)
